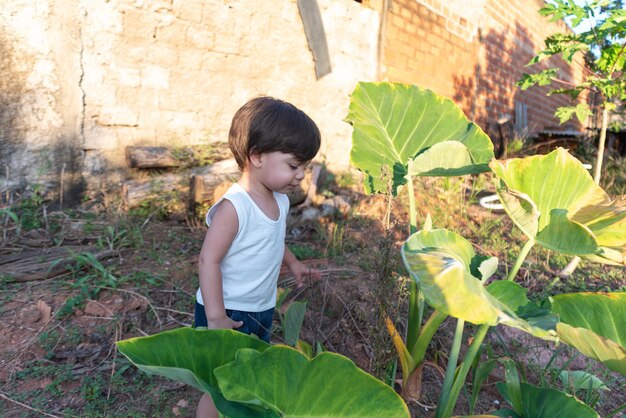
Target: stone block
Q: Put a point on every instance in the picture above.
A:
(162, 55)
(200, 37)
(155, 77)
(172, 34)
(118, 116)
(100, 137)
(128, 77)
(189, 10)
(139, 25)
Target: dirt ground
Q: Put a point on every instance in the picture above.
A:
(58, 357)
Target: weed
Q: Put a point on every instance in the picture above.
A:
(31, 209)
(120, 236)
(305, 251)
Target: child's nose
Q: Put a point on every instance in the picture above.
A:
(300, 174)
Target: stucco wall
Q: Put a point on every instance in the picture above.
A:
(92, 77)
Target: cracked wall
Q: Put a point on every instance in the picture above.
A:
(92, 77)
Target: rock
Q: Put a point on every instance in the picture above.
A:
(29, 315)
(309, 214)
(334, 205)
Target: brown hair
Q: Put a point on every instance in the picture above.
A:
(265, 124)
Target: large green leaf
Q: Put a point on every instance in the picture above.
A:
(546, 403)
(288, 384)
(190, 355)
(594, 323)
(442, 263)
(399, 125)
(554, 200)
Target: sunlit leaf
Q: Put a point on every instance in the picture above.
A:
(440, 262)
(288, 384)
(190, 355)
(395, 124)
(555, 202)
(595, 324)
(294, 316)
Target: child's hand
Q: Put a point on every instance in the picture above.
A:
(223, 323)
(302, 272)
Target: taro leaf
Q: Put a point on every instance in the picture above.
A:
(595, 324)
(581, 380)
(547, 403)
(440, 262)
(396, 123)
(287, 383)
(294, 316)
(556, 203)
(189, 355)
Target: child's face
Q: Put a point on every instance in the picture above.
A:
(280, 172)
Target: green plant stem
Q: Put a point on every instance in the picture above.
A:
(597, 172)
(418, 351)
(520, 259)
(412, 209)
(448, 381)
(459, 380)
(416, 309)
(416, 299)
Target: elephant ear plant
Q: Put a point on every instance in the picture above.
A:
(401, 131)
(557, 205)
(407, 131)
(248, 378)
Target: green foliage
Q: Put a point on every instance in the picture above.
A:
(581, 110)
(556, 203)
(603, 43)
(248, 378)
(442, 261)
(31, 209)
(594, 323)
(305, 252)
(402, 130)
(580, 380)
(535, 402)
(542, 78)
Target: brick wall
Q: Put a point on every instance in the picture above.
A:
(474, 51)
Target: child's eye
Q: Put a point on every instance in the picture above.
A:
(293, 167)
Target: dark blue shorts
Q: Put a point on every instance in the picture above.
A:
(258, 323)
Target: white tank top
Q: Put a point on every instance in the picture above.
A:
(251, 266)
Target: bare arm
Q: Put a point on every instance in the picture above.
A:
(218, 239)
(298, 269)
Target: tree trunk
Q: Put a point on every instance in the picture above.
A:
(136, 191)
(196, 185)
(597, 174)
(212, 183)
(150, 157)
(43, 264)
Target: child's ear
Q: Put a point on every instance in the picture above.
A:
(255, 159)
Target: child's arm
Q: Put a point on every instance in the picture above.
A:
(218, 239)
(299, 269)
